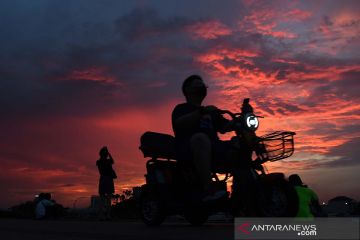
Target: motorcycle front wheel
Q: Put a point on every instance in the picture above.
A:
(277, 199)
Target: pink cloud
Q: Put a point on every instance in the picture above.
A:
(58, 154)
(267, 18)
(284, 101)
(208, 30)
(299, 68)
(297, 15)
(96, 73)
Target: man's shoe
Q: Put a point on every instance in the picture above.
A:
(214, 195)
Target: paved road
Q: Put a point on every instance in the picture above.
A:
(56, 229)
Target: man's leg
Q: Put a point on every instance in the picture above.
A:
(201, 149)
(239, 160)
(101, 213)
(108, 206)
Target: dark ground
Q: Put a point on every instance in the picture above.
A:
(27, 229)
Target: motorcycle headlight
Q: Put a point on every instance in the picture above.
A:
(252, 122)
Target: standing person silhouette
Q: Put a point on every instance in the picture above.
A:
(106, 182)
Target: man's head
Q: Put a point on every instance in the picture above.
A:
(47, 196)
(194, 88)
(295, 180)
(103, 152)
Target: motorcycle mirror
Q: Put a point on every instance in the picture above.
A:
(246, 107)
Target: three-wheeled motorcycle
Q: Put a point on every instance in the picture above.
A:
(173, 187)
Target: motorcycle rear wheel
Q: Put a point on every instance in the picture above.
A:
(152, 212)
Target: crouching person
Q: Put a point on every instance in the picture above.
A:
(43, 206)
(309, 206)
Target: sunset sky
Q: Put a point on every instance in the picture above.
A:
(82, 74)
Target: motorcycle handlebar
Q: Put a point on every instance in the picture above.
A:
(234, 115)
(231, 114)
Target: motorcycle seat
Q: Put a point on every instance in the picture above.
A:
(157, 145)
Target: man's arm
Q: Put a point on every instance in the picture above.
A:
(227, 127)
(191, 119)
(188, 120)
(111, 158)
(223, 125)
(47, 203)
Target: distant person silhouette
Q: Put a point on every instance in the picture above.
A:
(43, 205)
(195, 128)
(308, 200)
(106, 182)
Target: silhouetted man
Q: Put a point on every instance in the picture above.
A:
(195, 129)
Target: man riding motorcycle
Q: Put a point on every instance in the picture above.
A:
(196, 140)
(181, 174)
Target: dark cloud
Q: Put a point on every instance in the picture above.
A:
(348, 152)
(159, 59)
(347, 155)
(348, 87)
(345, 89)
(144, 23)
(327, 21)
(39, 81)
(277, 106)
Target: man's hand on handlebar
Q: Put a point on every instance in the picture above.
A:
(209, 109)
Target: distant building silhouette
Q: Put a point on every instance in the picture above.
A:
(95, 201)
(340, 206)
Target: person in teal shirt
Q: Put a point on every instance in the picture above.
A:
(308, 200)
